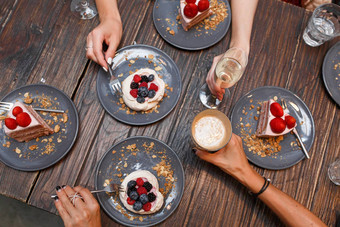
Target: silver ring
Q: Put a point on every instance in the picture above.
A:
(86, 48)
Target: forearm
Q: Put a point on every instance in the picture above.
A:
(243, 12)
(286, 208)
(108, 9)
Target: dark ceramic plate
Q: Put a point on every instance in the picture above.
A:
(122, 66)
(290, 153)
(331, 72)
(33, 160)
(113, 164)
(164, 16)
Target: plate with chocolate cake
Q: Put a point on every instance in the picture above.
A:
(31, 139)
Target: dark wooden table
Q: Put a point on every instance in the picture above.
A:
(42, 39)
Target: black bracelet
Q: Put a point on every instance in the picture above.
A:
(264, 187)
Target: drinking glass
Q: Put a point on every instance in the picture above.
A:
(227, 72)
(84, 9)
(334, 172)
(323, 25)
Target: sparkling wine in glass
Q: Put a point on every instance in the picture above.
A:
(228, 71)
(84, 9)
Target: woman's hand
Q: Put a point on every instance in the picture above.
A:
(231, 159)
(108, 31)
(213, 87)
(81, 212)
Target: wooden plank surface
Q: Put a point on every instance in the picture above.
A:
(52, 47)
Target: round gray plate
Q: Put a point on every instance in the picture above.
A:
(288, 156)
(330, 74)
(164, 10)
(121, 66)
(36, 160)
(107, 169)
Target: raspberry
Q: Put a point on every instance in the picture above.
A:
(11, 123)
(153, 87)
(130, 201)
(137, 78)
(290, 121)
(140, 181)
(203, 5)
(16, 110)
(147, 186)
(151, 197)
(276, 109)
(143, 84)
(134, 93)
(141, 190)
(190, 10)
(277, 125)
(23, 119)
(147, 206)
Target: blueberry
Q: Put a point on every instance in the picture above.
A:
(134, 85)
(137, 206)
(134, 195)
(144, 198)
(151, 77)
(147, 186)
(144, 79)
(140, 99)
(143, 92)
(151, 197)
(132, 184)
(130, 190)
(151, 94)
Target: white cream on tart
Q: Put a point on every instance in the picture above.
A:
(143, 90)
(141, 193)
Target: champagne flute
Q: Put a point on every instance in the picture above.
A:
(227, 72)
(84, 9)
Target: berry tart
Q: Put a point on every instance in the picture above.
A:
(192, 12)
(141, 193)
(143, 90)
(274, 121)
(23, 123)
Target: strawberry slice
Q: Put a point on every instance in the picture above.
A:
(276, 109)
(190, 10)
(203, 5)
(153, 87)
(130, 201)
(137, 78)
(147, 206)
(143, 84)
(190, 1)
(134, 93)
(16, 110)
(23, 119)
(11, 123)
(290, 121)
(277, 125)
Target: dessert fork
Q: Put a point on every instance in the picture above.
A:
(284, 106)
(114, 82)
(112, 187)
(8, 106)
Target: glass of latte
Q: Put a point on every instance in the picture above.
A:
(211, 130)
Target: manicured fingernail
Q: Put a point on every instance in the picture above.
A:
(63, 187)
(58, 188)
(56, 198)
(105, 69)
(109, 60)
(194, 150)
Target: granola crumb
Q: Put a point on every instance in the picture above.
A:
(56, 128)
(33, 147)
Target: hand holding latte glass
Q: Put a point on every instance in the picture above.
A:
(226, 70)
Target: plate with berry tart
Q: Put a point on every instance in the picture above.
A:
(151, 176)
(151, 85)
(192, 24)
(331, 72)
(33, 140)
(266, 127)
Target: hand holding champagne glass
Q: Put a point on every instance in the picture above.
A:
(227, 72)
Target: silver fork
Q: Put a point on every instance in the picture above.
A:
(8, 106)
(114, 82)
(112, 187)
(284, 106)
